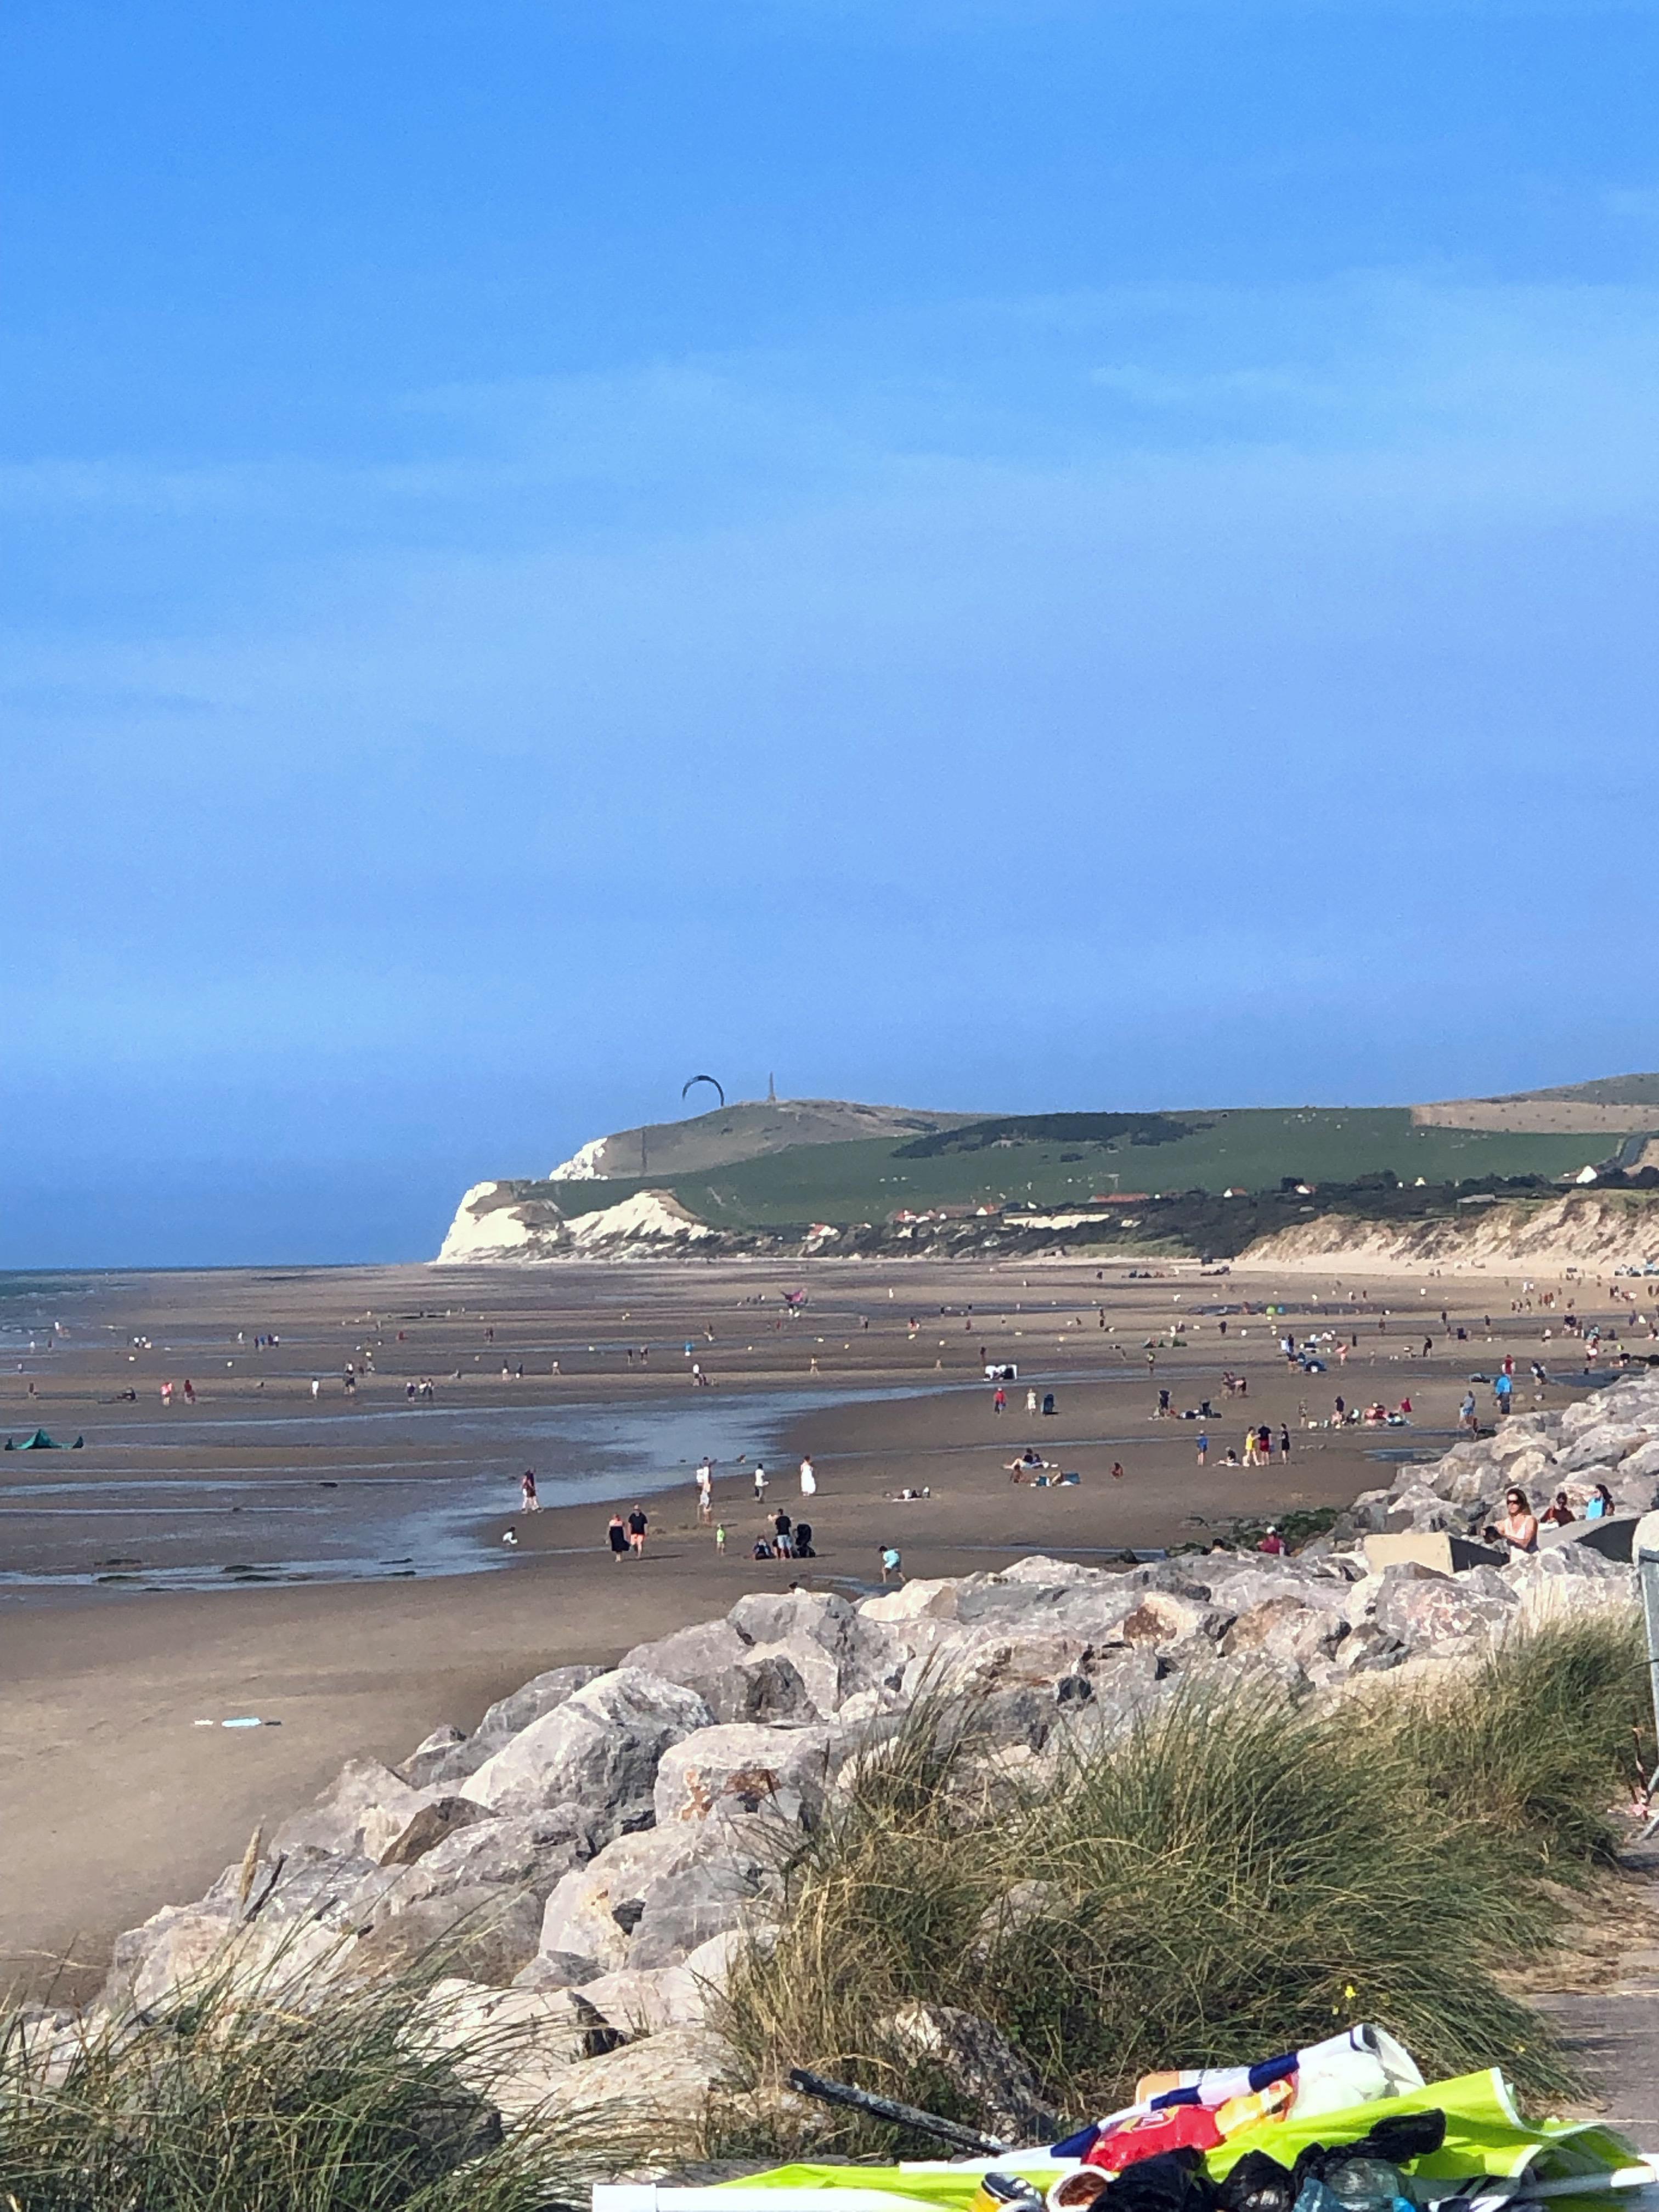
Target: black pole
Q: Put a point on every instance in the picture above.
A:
(887, 2108)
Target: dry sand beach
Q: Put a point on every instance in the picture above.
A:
(333, 1562)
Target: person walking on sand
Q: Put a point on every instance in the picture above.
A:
(720, 1539)
(638, 1522)
(760, 1483)
(533, 1504)
(616, 1533)
(1031, 1401)
(1000, 1402)
(705, 1489)
(809, 1481)
(1203, 1449)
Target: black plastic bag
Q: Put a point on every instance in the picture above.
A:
(1172, 2182)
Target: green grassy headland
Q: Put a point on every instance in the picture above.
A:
(1051, 1160)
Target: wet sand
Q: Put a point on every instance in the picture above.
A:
(111, 1799)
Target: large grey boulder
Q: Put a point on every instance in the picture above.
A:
(1161, 1618)
(433, 1825)
(835, 1650)
(650, 1900)
(1604, 1444)
(1424, 1611)
(527, 1851)
(767, 1685)
(743, 1768)
(362, 1814)
(485, 1933)
(643, 2000)
(435, 1761)
(599, 1748)
(1286, 1628)
(429, 1755)
(700, 1658)
(557, 1970)
(516, 2046)
(1568, 1578)
(666, 2081)
(1124, 1686)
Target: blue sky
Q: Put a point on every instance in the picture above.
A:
(1031, 555)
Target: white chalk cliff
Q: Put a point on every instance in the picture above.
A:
(494, 1223)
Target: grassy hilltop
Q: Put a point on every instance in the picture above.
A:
(1067, 1159)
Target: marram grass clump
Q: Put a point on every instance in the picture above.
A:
(1240, 1875)
(264, 2098)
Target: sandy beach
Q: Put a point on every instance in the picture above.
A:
(333, 1560)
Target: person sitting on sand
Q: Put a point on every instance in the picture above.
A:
(1519, 1526)
(1560, 1513)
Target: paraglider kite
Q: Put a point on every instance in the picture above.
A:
(719, 1091)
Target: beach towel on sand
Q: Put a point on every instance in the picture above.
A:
(1484, 2135)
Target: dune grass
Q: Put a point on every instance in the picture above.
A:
(265, 2099)
(1237, 1876)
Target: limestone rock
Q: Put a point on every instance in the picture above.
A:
(506, 1718)
(362, 1811)
(599, 1748)
(429, 1755)
(530, 1851)
(556, 1970)
(767, 1685)
(651, 1899)
(700, 1658)
(1567, 1578)
(433, 1825)
(1286, 1628)
(1427, 1610)
(644, 1999)
(666, 2081)
(745, 1769)
(912, 1599)
(484, 1934)
(517, 2046)
(1604, 1444)
(1162, 1618)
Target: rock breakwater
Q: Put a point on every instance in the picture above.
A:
(591, 1859)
